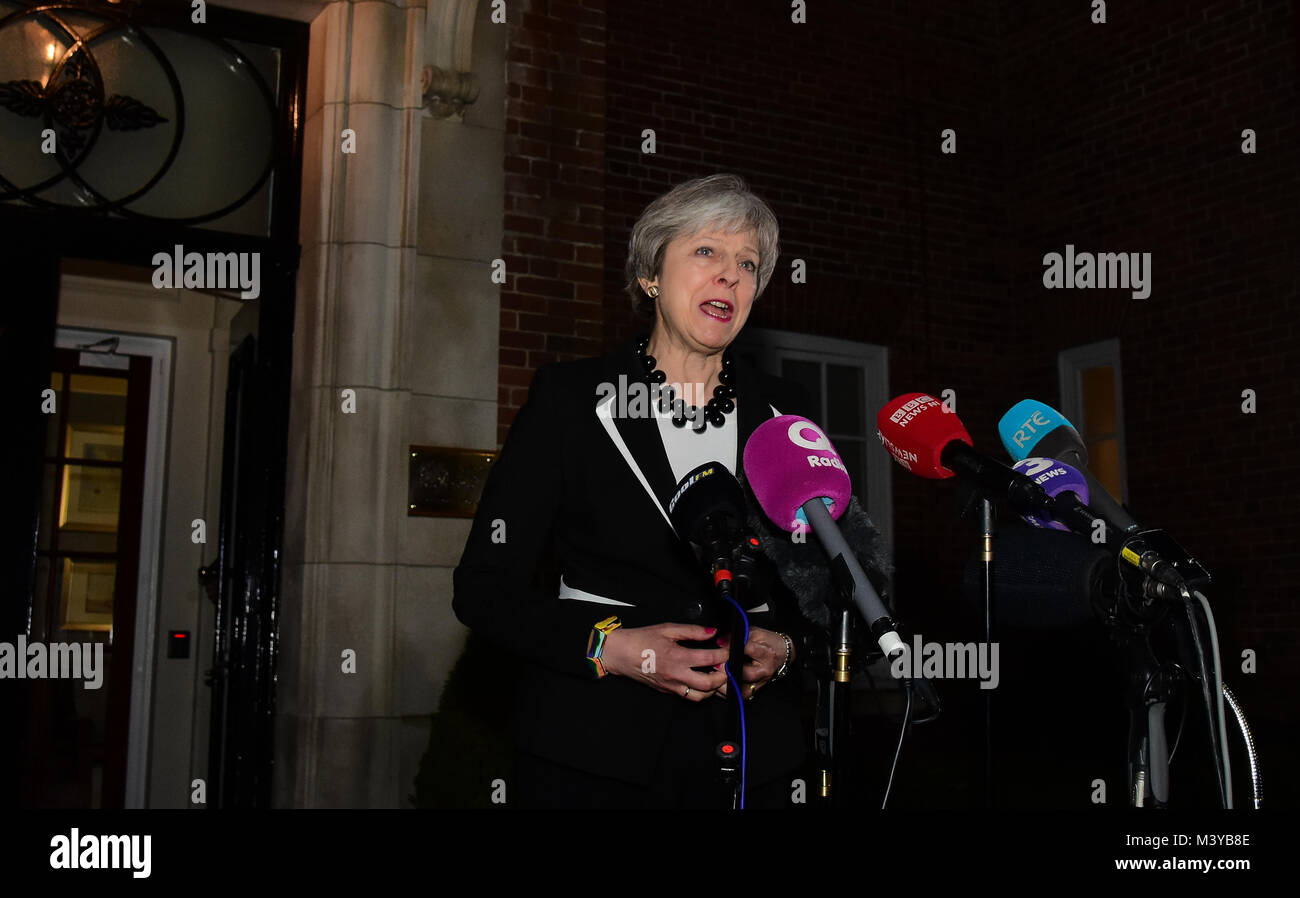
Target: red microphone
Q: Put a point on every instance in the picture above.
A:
(930, 441)
(915, 429)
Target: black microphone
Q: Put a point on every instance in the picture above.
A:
(708, 511)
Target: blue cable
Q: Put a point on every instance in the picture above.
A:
(735, 688)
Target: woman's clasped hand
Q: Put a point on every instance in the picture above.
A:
(654, 656)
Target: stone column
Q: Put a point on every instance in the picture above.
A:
(396, 304)
(345, 498)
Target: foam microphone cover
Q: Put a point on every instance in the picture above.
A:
(1042, 579)
(916, 428)
(709, 490)
(1055, 477)
(788, 461)
(1031, 427)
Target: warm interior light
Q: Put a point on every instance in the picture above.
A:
(49, 52)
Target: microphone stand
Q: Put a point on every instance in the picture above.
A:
(1151, 685)
(839, 690)
(1139, 627)
(1148, 741)
(975, 500)
(854, 591)
(987, 525)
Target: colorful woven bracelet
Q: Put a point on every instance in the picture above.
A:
(596, 644)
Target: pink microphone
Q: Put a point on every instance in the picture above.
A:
(799, 480)
(789, 461)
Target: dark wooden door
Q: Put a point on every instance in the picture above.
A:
(74, 733)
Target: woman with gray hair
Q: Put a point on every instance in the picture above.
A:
(623, 694)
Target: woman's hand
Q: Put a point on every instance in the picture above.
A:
(766, 653)
(652, 655)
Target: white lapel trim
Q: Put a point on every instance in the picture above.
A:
(607, 420)
(569, 592)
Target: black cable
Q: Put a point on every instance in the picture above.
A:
(1182, 718)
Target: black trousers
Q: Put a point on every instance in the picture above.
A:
(686, 777)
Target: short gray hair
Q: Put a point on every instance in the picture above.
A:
(718, 201)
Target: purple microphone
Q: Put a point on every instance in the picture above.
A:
(1055, 477)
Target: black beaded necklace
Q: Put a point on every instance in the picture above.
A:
(715, 410)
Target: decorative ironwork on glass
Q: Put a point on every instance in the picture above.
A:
(94, 116)
(74, 102)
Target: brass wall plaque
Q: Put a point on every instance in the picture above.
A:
(446, 482)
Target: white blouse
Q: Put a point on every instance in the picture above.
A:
(688, 450)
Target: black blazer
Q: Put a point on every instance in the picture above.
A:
(564, 487)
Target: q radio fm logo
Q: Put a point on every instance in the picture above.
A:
(829, 459)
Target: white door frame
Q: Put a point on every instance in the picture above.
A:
(877, 494)
(159, 350)
(1070, 365)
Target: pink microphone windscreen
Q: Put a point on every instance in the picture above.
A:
(789, 461)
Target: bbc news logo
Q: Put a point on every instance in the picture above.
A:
(912, 409)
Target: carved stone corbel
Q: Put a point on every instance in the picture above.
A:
(446, 94)
(447, 83)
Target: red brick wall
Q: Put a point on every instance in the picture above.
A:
(837, 124)
(1116, 137)
(1126, 137)
(552, 300)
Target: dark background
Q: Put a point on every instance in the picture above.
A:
(1120, 137)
